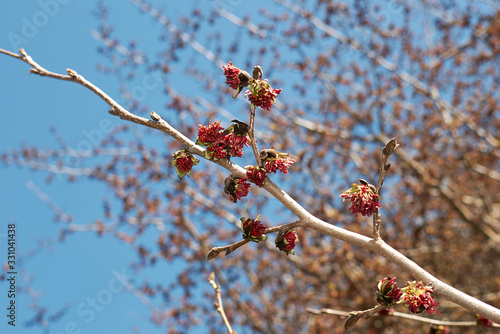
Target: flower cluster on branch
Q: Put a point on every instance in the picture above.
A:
(363, 198)
(183, 161)
(415, 295)
(260, 92)
(253, 229)
(223, 143)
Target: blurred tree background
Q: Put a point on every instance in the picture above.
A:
(353, 74)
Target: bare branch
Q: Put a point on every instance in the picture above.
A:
(218, 304)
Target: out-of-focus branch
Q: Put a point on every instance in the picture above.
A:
(391, 66)
(218, 304)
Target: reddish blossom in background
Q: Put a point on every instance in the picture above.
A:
(257, 175)
(363, 199)
(236, 78)
(261, 94)
(183, 162)
(386, 312)
(236, 188)
(253, 229)
(483, 321)
(273, 161)
(439, 329)
(418, 298)
(286, 243)
(388, 292)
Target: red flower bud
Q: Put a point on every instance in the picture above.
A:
(183, 162)
(253, 229)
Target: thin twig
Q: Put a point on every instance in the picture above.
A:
(399, 315)
(388, 149)
(218, 304)
(251, 134)
(214, 252)
(354, 316)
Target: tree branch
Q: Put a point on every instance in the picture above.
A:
(218, 304)
(307, 219)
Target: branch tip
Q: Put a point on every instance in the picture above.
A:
(390, 147)
(155, 117)
(71, 73)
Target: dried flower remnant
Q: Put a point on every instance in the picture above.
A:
(257, 175)
(273, 160)
(418, 297)
(286, 242)
(261, 94)
(236, 78)
(253, 229)
(236, 188)
(388, 292)
(363, 199)
(183, 162)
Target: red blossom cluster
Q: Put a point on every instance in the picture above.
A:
(418, 297)
(253, 229)
(236, 188)
(231, 72)
(273, 160)
(183, 162)
(222, 143)
(363, 199)
(286, 243)
(388, 292)
(260, 92)
(257, 175)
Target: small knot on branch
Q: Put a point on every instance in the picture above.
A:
(72, 73)
(155, 117)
